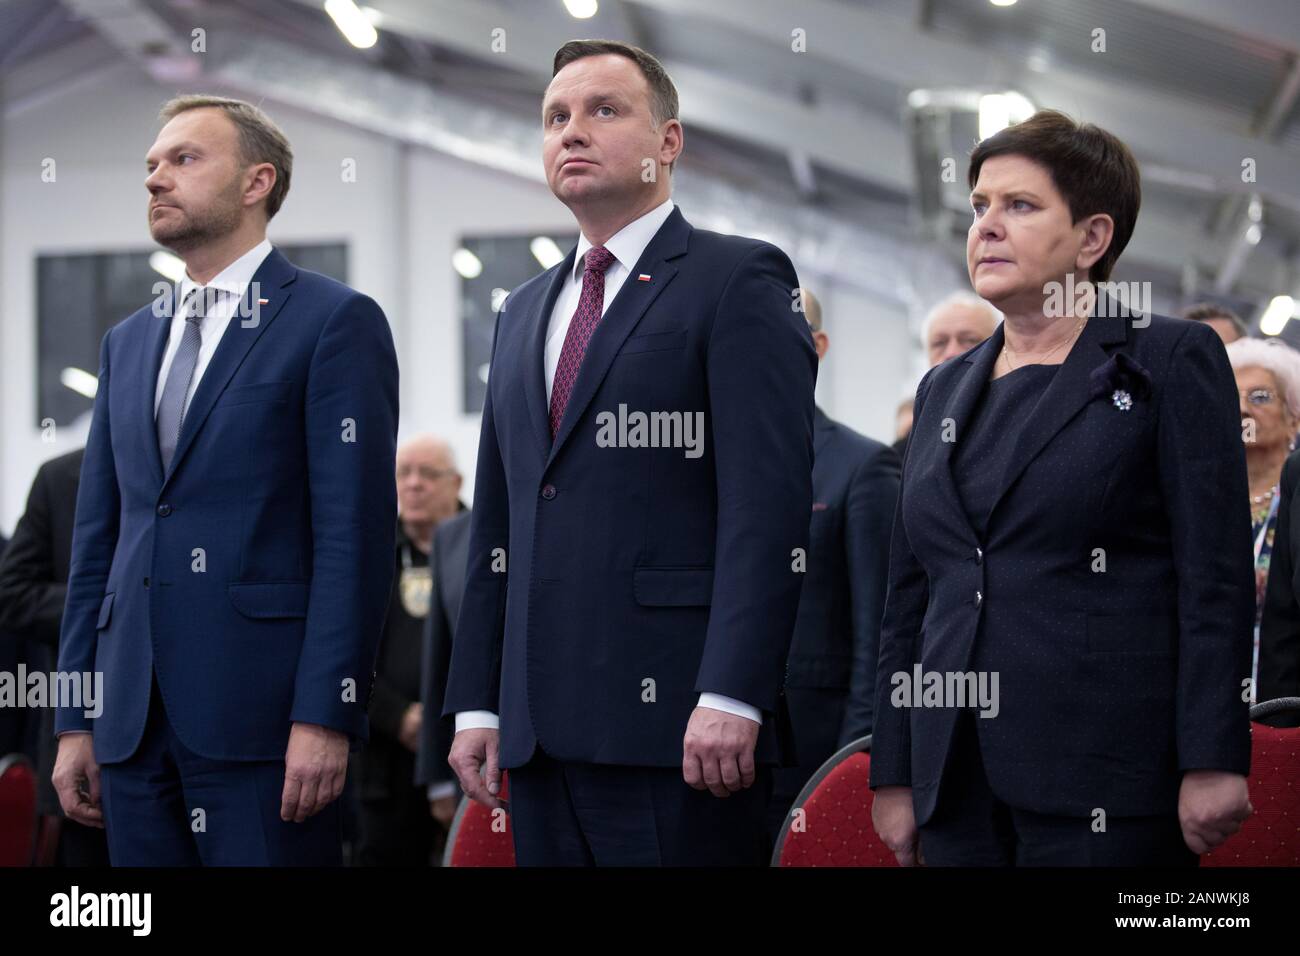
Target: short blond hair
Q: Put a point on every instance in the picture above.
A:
(260, 140)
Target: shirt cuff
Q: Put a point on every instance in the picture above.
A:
(440, 791)
(473, 719)
(728, 705)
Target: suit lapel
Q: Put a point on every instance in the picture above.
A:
(622, 317)
(535, 355)
(146, 377)
(1065, 397)
(271, 279)
(959, 412)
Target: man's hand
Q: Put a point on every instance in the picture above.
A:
(718, 751)
(76, 778)
(443, 810)
(409, 733)
(1212, 805)
(315, 766)
(474, 756)
(895, 823)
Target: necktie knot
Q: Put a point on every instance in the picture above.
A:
(201, 300)
(598, 259)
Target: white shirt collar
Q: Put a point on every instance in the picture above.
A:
(235, 277)
(629, 242)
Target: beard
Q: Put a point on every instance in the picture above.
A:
(191, 227)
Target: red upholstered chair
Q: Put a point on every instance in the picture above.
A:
(1271, 836)
(472, 841)
(834, 828)
(17, 810)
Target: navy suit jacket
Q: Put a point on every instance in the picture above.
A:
(831, 676)
(1111, 683)
(283, 476)
(639, 577)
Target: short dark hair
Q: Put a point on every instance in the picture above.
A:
(1090, 167)
(663, 94)
(1204, 311)
(260, 140)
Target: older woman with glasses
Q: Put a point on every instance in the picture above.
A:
(1268, 386)
(1068, 626)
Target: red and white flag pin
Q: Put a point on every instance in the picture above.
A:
(643, 277)
(263, 301)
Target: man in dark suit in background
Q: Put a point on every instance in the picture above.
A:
(447, 561)
(644, 474)
(396, 829)
(33, 587)
(831, 673)
(234, 541)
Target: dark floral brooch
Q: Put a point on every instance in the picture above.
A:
(1123, 379)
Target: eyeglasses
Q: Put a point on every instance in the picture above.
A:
(1259, 396)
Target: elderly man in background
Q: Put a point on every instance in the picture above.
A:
(396, 826)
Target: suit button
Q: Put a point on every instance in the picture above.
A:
(979, 598)
(548, 492)
(164, 510)
(979, 556)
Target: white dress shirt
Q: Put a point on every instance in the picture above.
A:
(626, 245)
(235, 279)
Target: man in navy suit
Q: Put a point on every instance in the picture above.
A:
(831, 673)
(234, 540)
(644, 485)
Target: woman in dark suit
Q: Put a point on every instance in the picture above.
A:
(1066, 646)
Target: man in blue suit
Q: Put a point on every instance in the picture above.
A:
(644, 486)
(830, 677)
(232, 555)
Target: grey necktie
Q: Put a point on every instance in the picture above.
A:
(171, 410)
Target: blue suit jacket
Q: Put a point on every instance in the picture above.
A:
(638, 577)
(283, 476)
(831, 676)
(1111, 683)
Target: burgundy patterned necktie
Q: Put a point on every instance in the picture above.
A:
(583, 323)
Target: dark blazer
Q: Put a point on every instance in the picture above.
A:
(831, 673)
(638, 577)
(1279, 631)
(283, 475)
(34, 573)
(450, 549)
(34, 585)
(1113, 683)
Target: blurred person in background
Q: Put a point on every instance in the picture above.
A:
(396, 828)
(956, 324)
(1268, 388)
(33, 587)
(1226, 323)
(830, 680)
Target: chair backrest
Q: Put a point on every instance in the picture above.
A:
(17, 810)
(1271, 835)
(830, 822)
(479, 836)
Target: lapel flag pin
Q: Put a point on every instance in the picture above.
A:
(263, 301)
(643, 278)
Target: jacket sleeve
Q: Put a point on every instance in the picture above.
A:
(1202, 473)
(873, 497)
(1279, 633)
(900, 631)
(94, 539)
(31, 599)
(474, 681)
(762, 370)
(351, 434)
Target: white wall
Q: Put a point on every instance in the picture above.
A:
(401, 220)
